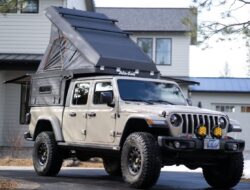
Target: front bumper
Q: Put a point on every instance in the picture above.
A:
(180, 144)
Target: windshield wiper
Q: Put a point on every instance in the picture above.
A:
(136, 100)
(161, 101)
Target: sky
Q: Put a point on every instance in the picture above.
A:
(209, 62)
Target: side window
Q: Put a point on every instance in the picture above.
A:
(102, 90)
(80, 96)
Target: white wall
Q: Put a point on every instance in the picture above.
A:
(26, 33)
(180, 53)
(209, 100)
(10, 129)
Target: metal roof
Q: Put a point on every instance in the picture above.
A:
(150, 19)
(181, 80)
(18, 61)
(211, 84)
(11, 57)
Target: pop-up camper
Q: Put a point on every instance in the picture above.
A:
(84, 44)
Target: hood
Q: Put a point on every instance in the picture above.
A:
(159, 108)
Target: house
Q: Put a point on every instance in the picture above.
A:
(229, 95)
(24, 36)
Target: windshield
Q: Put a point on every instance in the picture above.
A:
(150, 92)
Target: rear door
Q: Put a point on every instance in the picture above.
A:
(101, 118)
(75, 115)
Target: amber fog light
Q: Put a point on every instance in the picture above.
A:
(217, 132)
(201, 131)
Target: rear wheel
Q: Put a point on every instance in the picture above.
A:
(140, 160)
(47, 159)
(227, 174)
(112, 166)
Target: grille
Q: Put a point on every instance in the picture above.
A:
(192, 121)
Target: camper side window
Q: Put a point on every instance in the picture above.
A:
(80, 96)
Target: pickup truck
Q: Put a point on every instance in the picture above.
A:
(97, 94)
(137, 126)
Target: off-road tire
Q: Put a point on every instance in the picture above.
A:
(227, 174)
(112, 166)
(51, 163)
(144, 145)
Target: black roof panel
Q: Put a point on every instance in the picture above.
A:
(92, 40)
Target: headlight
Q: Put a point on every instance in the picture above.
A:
(222, 122)
(175, 120)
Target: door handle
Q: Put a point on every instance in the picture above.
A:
(72, 114)
(92, 114)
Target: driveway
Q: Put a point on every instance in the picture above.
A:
(97, 179)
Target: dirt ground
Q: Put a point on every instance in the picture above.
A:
(8, 184)
(245, 180)
(28, 162)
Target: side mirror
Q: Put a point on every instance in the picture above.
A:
(107, 98)
(189, 102)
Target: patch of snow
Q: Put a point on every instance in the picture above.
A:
(247, 169)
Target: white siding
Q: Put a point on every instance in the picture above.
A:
(10, 129)
(209, 100)
(2, 100)
(180, 53)
(26, 33)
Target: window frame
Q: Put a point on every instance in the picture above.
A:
(170, 53)
(152, 43)
(15, 10)
(232, 108)
(24, 103)
(73, 92)
(244, 109)
(37, 11)
(154, 38)
(93, 92)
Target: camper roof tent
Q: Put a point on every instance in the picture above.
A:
(83, 44)
(87, 42)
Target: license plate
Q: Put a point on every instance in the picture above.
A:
(212, 144)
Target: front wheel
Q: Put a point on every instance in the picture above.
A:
(140, 160)
(47, 159)
(227, 174)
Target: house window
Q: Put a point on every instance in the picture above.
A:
(30, 6)
(158, 49)
(163, 51)
(8, 6)
(146, 44)
(245, 109)
(24, 105)
(81, 92)
(225, 108)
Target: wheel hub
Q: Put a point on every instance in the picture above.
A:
(134, 160)
(42, 154)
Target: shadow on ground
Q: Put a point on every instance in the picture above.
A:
(96, 179)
